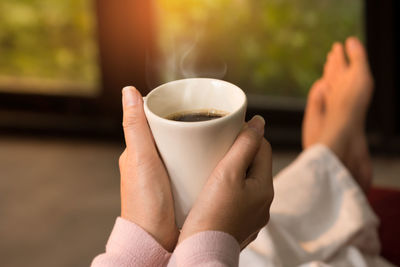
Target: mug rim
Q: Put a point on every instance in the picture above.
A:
(194, 123)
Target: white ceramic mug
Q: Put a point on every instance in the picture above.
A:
(191, 150)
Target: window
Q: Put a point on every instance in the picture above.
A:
(274, 48)
(48, 47)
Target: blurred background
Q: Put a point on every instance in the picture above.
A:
(63, 64)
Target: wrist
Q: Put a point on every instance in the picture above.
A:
(166, 236)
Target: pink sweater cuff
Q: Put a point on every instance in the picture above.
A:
(130, 245)
(209, 248)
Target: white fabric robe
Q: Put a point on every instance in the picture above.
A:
(319, 217)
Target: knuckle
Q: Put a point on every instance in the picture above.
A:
(222, 174)
(131, 119)
(248, 138)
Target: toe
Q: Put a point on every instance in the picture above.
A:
(359, 62)
(355, 51)
(314, 114)
(329, 69)
(339, 58)
(316, 96)
(335, 62)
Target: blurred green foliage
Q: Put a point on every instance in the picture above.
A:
(274, 47)
(48, 39)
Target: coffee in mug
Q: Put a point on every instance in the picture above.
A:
(196, 115)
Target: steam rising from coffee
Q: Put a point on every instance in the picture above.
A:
(184, 59)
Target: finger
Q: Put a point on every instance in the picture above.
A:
(243, 151)
(137, 134)
(261, 167)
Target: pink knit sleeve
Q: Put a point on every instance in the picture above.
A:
(208, 249)
(130, 245)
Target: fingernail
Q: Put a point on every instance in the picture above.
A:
(257, 123)
(129, 96)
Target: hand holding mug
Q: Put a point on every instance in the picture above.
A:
(146, 197)
(237, 196)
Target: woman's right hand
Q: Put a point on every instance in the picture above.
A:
(238, 194)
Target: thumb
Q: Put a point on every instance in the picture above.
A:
(137, 134)
(245, 148)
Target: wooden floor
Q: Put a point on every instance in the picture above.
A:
(59, 198)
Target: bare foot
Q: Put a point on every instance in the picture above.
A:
(338, 119)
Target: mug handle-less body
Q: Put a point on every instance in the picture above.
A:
(190, 151)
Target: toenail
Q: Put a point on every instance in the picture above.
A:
(352, 44)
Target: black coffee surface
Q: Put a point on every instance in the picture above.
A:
(195, 116)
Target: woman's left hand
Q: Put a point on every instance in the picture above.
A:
(146, 197)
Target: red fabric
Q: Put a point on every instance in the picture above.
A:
(386, 204)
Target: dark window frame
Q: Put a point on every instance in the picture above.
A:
(382, 31)
(125, 35)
